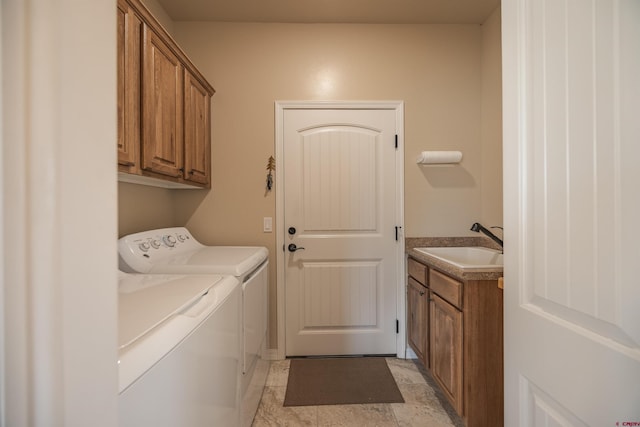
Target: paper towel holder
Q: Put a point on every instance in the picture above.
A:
(439, 157)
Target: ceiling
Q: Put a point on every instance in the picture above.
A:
(333, 11)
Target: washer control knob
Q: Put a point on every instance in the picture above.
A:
(169, 240)
(144, 247)
(155, 244)
(181, 238)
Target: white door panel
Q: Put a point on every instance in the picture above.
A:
(339, 176)
(571, 144)
(340, 195)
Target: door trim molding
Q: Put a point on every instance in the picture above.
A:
(280, 108)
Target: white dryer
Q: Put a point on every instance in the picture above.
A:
(175, 251)
(179, 340)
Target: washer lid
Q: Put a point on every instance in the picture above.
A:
(234, 260)
(145, 301)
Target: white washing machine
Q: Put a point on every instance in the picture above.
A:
(179, 355)
(175, 251)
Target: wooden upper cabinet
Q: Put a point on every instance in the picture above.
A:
(128, 68)
(197, 130)
(164, 123)
(162, 86)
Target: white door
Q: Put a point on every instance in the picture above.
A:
(341, 206)
(572, 206)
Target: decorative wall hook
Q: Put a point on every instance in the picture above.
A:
(271, 166)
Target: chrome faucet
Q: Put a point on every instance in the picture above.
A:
(477, 227)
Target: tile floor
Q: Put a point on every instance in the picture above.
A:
(424, 403)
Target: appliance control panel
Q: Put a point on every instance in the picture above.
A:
(156, 242)
(139, 251)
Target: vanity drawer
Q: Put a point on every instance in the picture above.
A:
(417, 271)
(449, 289)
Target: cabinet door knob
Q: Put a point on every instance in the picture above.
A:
(421, 293)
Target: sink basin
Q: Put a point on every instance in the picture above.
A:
(468, 258)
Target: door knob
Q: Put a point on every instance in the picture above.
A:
(292, 230)
(292, 247)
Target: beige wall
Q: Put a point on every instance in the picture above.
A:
(491, 121)
(142, 208)
(159, 13)
(435, 69)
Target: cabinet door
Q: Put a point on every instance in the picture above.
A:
(197, 137)
(417, 322)
(129, 48)
(162, 93)
(446, 349)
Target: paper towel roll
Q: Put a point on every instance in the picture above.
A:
(439, 157)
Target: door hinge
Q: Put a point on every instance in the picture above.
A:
(397, 326)
(397, 231)
(396, 142)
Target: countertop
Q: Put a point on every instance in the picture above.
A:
(445, 267)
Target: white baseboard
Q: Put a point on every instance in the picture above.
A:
(410, 354)
(270, 354)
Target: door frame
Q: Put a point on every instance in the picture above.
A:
(58, 312)
(280, 108)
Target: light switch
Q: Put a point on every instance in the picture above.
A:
(267, 224)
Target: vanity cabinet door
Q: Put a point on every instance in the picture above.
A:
(418, 318)
(446, 349)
